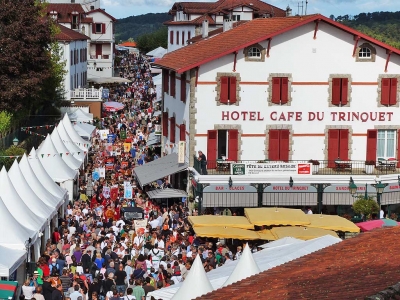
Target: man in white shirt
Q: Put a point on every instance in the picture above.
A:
(139, 241)
(76, 293)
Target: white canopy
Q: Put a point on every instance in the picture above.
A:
(246, 267)
(63, 152)
(16, 206)
(36, 205)
(44, 177)
(76, 138)
(195, 284)
(37, 187)
(265, 259)
(10, 260)
(78, 115)
(157, 53)
(77, 152)
(53, 163)
(84, 130)
(282, 242)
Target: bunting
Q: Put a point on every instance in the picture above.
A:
(36, 127)
(34, 133)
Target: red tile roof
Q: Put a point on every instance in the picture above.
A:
(192, 7)
(214, 32)
(353, 269)
(250, 33)
(64, 11)
(103, 12)
(67, 34)
(225, 6)
(128, 44)
(197, 21)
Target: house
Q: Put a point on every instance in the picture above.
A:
(191, 19)
(74, 54)
(286, 90)
(87, 5)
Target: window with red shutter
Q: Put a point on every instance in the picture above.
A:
(344, 91)
(103, 28)
(385, 91)
(173, 84)
(233, 143)
(183, 38)
(189, 35)
(340, 89)
(372, 135)
(344, 144)
(284, 90)
(284, 143)
(93, 27)
(171, 37)
(165, 124)
(172, 130)
(333, 147)
(393, 91)
(177, 37)
(183, 87)
(211, 149)
(165, 75)
(276, 90)
(273, 144)
(224, 90)
(232, 90)
(182, 132)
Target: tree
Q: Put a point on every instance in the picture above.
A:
(27, 70)
(148, 42)
(8, 156)
(365, 207)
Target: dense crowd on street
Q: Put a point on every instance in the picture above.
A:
(97, 254)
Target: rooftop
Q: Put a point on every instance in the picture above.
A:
(64, 12)
(197, 21)
(67, 34)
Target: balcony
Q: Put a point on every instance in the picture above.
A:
(325, 167)
(105, 56)
(86, 94)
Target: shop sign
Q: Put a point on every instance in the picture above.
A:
(225, 188)
(336, 188)
(271, 168)
(286, 188)
(392, 187)
(181, 152)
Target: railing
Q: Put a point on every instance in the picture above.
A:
(87, 94)
(105, 56)
(325, 167)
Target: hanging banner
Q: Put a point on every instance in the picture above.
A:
(106, 192)
(269, 168)
(111, 138)
(114, 193)
(157, 129)
(96, 175)
(103, 133)
(181, 152)
(127, 147)
(140, 225)
(122, 134)
(127, 190)
(124, 165)
(102, 172)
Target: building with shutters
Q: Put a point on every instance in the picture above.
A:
(286, 89)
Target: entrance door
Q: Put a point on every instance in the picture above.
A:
(222, 144)
(222, 147)
(338, 146)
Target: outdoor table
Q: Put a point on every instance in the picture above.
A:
(387, 165)
(343, 165)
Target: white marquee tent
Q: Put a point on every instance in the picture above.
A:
(10, 260)
(86, 131)
(63, 152)
(78, 115)
(72, 148)
(76, 138)
(157, 53)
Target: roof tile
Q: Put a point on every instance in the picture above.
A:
(67, 34)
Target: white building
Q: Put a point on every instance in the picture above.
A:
(74, 53)
(287, 89)
(188, 17)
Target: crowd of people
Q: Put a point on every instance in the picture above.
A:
(96, 253)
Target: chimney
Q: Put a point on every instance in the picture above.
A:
(228, 24)
(288, 11)
(205, 28)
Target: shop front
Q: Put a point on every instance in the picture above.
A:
(285, 195)
(227, 195)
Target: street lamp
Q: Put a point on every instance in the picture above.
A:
(380, 187)
(291, 182)
(15, 141)
(352, 186)
(230, 182)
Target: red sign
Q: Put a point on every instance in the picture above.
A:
(304, 169)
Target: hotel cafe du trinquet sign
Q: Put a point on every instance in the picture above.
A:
(299, 116)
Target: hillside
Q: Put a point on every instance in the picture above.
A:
(135, 26)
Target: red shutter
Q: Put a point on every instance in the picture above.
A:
(172, 130)
(284, 90)
(273, 145)
(93, 27)
(371, 144)
(189, 35)
(183, 38)
(398, 149)
(183, 87)
(336, 83)
(333, 147)
(276, 90)
(171, 37)
(345, 89)
(165, 123)
(223, 94)
(177, 37)
(173, 84)
(233, 141)
(344, 144)
(182, 132)
(165, 81)
(393, 91)
(103, 28)
(232, 90)
(212, 149)
(284, 145)
(385, 91)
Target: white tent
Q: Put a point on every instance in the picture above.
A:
(282, 242)
(63, 151)
(78, 115)
(78, 140)
(71, 146)
(85, 130)
(19, 234)
(53, 163)
(265, 259)
(44, 177)
(10, 260)
(16, 206)
(157, 53)
(37, 187)
(195, 284)
(246, 267)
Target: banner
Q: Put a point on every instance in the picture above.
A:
(157, 129)
(270, 168)
(140, 224)
(103, 133)
(124, 164)
(127, 147)
(96, 175)
(102, 172)
(122, 134)
(106, 192)
(127, 190)
(114, 193)
(111, 138)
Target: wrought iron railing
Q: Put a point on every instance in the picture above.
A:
(87, 94)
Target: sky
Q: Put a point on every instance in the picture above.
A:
(126, 8)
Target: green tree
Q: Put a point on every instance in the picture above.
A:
(365, 207)
(5, 122)
(8, 156)
(148, 42)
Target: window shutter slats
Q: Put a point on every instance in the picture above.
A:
(223, 95)
(172, 130)
(211, 149)
(345, 90)
(165, 124)
(333, 147)
(276, 90)
(385, 91)
(273, 144)
(233, 141)
(183, 88)
(336, 84)
(232, 90)
(344, 144)
(284, 90)
(372, 135)
(393, 91)
(284, 142)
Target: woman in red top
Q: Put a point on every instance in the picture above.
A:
(45, 268)
(56, 236)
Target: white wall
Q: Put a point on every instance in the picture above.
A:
(180, 28)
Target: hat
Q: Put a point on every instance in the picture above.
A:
(35, 273)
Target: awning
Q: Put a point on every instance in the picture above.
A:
(220, 221)
(302, 233)
(226, 233)
(266, 235)
(276, 216)
(166, 193)
(153, 139)
(159, 168)
(332, 222)
(10, 260)
(8, 289)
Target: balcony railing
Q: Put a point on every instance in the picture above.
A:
(325, 167)
(104, 56)
(87, 94)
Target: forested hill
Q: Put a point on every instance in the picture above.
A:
(135, 26)
(383, 26)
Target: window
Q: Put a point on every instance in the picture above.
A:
(389, 91)
(99, 28)
(189, 35)
(236, 17)
(280, 90)
(338, 146)
(172, 84)
(177, 37)
(183, 87)
(72, 58)
(171, 37)
(165, 75)
(182, 132)
(254, 53)
(172, 130)
(365, 52)
(222, 144)
(340, 90)
(228, 90)
(165, 124)
(278, 144)
(386, 144)
(75, 24)
(183, 38)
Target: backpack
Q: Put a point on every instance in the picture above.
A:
(55, 269)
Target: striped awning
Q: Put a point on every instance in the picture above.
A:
(166, 193)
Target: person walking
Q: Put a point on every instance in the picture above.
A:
(203, 163)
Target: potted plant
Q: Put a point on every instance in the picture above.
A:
(369, 166)
(315, 165)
